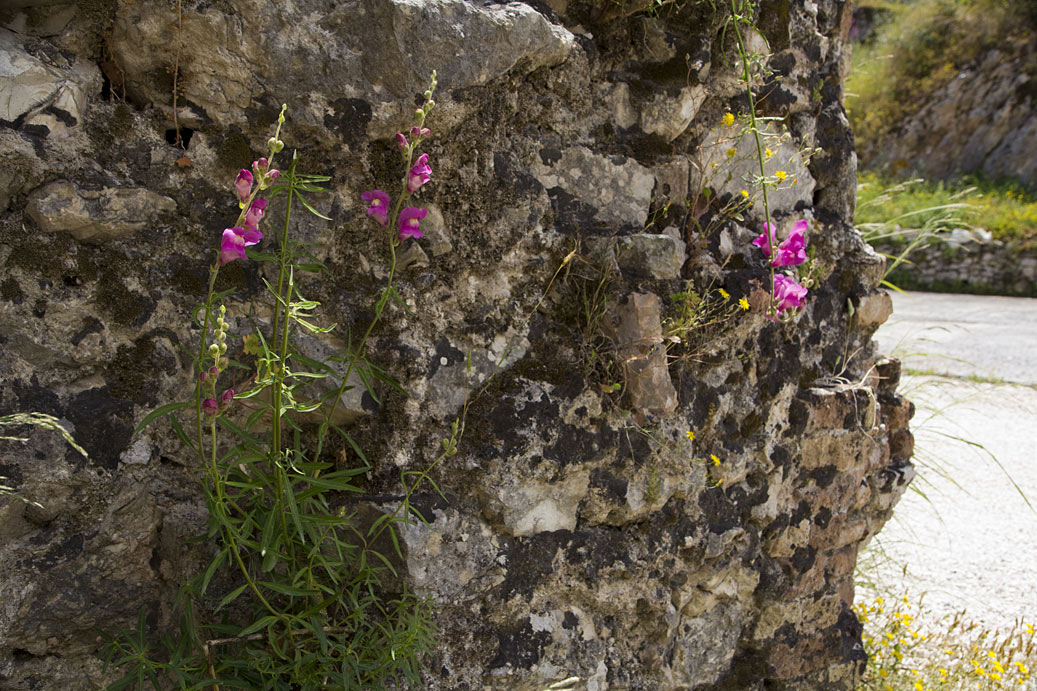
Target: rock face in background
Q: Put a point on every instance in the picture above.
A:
(582, 533)
(984, 120)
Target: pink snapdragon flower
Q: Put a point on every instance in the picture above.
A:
(409, 219)
(210, 407)
(763, 242)
(260, 167)
(243, 185)
(401, 141)
(379, 205)
(788, 293)
(419, 174)
(235, 240)
(792, 250)
(254, 215)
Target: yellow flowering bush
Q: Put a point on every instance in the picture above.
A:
(908, 650)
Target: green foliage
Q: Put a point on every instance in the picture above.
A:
(1003, 207)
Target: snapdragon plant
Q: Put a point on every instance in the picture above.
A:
(299, 592)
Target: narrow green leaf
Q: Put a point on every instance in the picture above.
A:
(159, 412)
(211, 569)
(288, 590)
(261, 623)
(231, 596)
(309, 207)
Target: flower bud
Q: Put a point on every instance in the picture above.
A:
(419, 112)
(224, 363)
(425, 131)
(203, 376)
(222, 347)
(227, 396)
(214, 350)
(415, 131)
(214, 371)
(401, 141)
(210, 407)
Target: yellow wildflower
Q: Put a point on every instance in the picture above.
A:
(918, 686)
(745, 193)
(713, 457)
(730, 153)
(729, 119)
(768, 153)
(781, 175)
(724, 294)
(690, 435)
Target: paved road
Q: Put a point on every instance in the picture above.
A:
(971, 540)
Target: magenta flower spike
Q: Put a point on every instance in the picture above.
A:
(763, 242)
(210, 407)
(243, 185)
(254, 215)
(792, 250)
(788, 293)
(235, 240)
(379, 205)
(419, 174)
(409, 220)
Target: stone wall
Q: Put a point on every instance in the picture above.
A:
(580, 533)
(967, 262)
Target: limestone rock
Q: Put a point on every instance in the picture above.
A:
(668, 117)
(651, 256)
(96, 216)
(38, 93)
(616, 190)
(636, 328)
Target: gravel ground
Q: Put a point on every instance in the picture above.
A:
(967, 536)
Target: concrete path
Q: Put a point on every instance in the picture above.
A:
(966, 535)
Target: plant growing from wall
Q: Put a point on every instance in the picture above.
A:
(303, 588)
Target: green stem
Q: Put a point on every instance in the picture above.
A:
(214, 270)
(754, 127)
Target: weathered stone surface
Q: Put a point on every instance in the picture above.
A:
(96, 216)
(581, 531)
(38, 93)
(873, 310)
(651, 256)
(617, 190)
(635, 326)
(668, 117)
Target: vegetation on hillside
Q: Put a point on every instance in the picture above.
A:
(917, 48)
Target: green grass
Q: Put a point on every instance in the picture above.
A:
(1004, 208)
